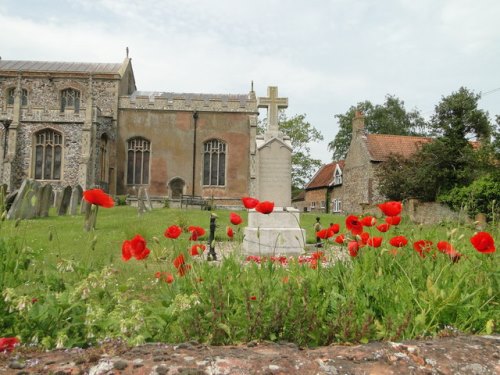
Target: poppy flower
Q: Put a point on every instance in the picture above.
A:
(448, 249)
(249, 202)
(335, 228)
(230, 232)
(7, 344)
(317, 255)
(393, 220)
(353, 224)
(235, 219)
(179, 261)
(265, 207)
(135, 248)
(169, 279)
(365, 236)
(324, 233)
(196, 232)
(99, 198)
(126, 250)
(252, 298)
(353, 248)
(383, 227)
(197, 249)
(173, 232)
(368, 221)
(398, 241)
(374, 241)
(391, 208)
(158, 274)
(422, 247)
(483, 242)
(339, 239)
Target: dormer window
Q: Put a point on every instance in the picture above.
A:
(338, 177)
(70, 98)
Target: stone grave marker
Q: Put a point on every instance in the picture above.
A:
(25, 203)
(46, 200)
(62, 208)
(76, 198)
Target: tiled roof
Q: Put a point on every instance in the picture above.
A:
(380, 146)
(189, 96)
(324, 176)
(65, 67)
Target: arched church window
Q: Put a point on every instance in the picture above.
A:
(70, 98)
(138, 154)
(48, 155)
(214, 163)
(11, 95)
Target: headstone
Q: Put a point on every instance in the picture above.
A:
(278, 232)
(141, 204)
(62, 209)
(76, 198)
(25, 203)
(45, 200)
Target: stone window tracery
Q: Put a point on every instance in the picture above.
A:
(48, 155)
(11, 95)
(70, 98)
(138, 155)
(214, 163)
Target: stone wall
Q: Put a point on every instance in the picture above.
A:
(317, 196)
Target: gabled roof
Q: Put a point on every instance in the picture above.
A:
(324, 176)
(380, 146)
(59, 67)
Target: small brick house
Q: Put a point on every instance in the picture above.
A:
(365, 153)
(323, 192)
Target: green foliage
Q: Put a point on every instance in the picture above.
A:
(481, 196)
(389, 118)
(301, 134)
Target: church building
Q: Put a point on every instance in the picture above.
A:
(87, 125)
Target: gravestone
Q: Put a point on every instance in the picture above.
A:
(62, 208)
(278, 232)
(76, 198)
(143, 201)
(25, 203)
(46, 200)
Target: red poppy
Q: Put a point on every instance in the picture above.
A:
(249, 202)
(126, 250)
(252, 298)
(365, 236)
(398, 241)
(173, 232)
(139, 249)
(374, 241)
(335, 228)
(183, 269)
(230, 232)
(483, 242)
(98, 197)
(353, 248)
(422, 247)
(393, 220)
(196, 232)
(179, 261)
(447, 248)
(317, 255)
(353, 224)
(383, 227)
(391, 208)
(235, 218)
(7, 344)
(368, 221)
(324, 233)
(265, 207)
(158, 274)
(197, 249)
(339, 239)
(169, 279)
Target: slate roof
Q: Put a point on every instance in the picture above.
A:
(189, 96)
(380, 146)
(324, 176)
(59, 67)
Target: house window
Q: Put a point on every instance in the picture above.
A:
(338, 178)
(138, 155)
(214, 163)
(313, 205)
(337, 205)
(322, 204)
(11, 95)
(70, 98)
(48, 155)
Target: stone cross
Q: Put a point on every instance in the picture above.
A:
(273, 105)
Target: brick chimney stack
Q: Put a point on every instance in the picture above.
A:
(358, 124)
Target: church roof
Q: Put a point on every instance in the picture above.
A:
(380, 146)
(324, 176)
(59, 67)
(190, 96)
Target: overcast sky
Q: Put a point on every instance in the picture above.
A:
(324, 55)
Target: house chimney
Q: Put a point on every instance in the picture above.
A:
(358, 124)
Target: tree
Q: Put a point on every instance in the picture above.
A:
(389, 118)
(301, 134)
